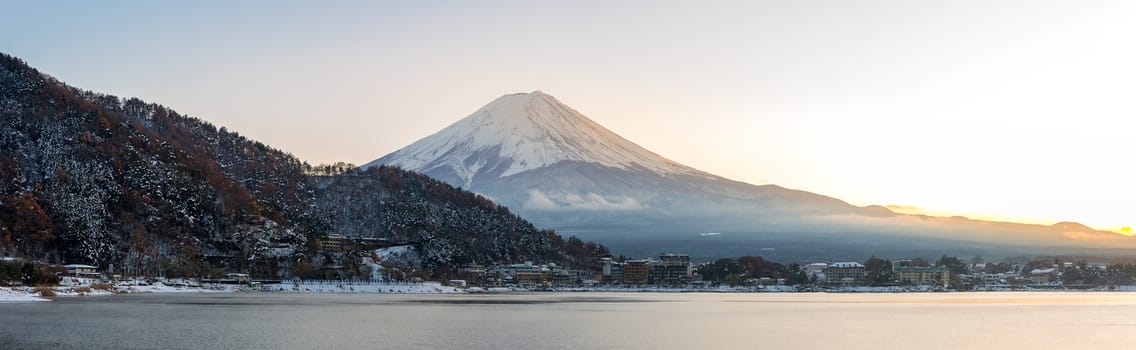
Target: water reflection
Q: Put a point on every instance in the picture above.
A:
(1055, 320)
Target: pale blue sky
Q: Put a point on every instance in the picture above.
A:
(1010, 109)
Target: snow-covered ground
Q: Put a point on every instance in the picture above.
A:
(723, 289)
(400, 255)
(867, 289)
(344, 287)
(652, 289)
(162, 288)
(28, 294)
(19, 295)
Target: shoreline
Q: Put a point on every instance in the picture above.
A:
(32, 294)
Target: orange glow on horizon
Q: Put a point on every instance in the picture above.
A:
(913, 210)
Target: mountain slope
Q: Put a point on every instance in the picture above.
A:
(561, 169)
(92, 178)
(451, 227)
(124, 182)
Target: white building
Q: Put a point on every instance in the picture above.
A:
(80, 270)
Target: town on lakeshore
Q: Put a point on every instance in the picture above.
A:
(665, 272)
(102, 194)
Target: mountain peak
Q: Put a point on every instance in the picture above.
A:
(520, 132)
(526, 96)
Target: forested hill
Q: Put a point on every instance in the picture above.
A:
(93, 178)
(451, 226)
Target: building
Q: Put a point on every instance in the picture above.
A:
(815, 270)
(671, 270)
(80, 270)
(612, 271)
(994, 279)
(919, 275)
(1043, 276)
(526, 274)
(473, 274)
(238, 278)
(370, 243)
(332, 243)
(337, 243)
(636, 272)
(564, 277)
(457, 283)
(533, 277)
(845, 273)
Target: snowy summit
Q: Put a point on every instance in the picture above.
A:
(521, 132)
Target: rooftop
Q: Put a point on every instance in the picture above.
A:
(921, 269)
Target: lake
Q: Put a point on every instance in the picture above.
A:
(1011, 320)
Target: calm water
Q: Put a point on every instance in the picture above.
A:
(576, 321)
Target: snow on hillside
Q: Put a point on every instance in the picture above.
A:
(520, 132)
(400, 255)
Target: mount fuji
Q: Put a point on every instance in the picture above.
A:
(562, 170)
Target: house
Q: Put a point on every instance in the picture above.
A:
(80, 270)
(921, 275)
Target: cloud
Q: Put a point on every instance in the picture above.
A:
(538, 201)
(571, 201)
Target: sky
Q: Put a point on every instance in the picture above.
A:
(1004, 110)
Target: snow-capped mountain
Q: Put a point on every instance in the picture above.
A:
(522, 132)
(560, 169)
(539, 155)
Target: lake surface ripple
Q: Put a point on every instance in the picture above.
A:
(1013, 320)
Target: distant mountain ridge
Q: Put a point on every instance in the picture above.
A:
(561, 169)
